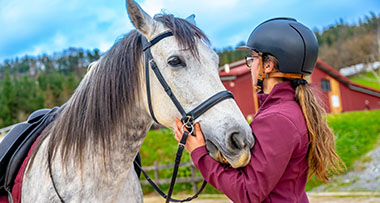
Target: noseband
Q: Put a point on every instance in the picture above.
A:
(187, 118)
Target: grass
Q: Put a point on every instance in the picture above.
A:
(160, 146)
(356, 134)
(366, 79)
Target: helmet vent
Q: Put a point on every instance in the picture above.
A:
(304, 46)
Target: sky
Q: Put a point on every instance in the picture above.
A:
(36, 27)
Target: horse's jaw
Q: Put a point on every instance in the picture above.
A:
(241, 159)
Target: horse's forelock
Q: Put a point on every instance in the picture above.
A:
(184, 32)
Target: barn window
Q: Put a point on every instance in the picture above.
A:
(326, 85)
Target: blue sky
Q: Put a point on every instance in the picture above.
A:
(35, 27)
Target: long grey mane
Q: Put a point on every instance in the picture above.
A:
(104, 103)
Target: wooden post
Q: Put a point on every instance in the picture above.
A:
(156, 172)
(193, 175)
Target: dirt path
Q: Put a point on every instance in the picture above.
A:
(344, 197)
(341, 197)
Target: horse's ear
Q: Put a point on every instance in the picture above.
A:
(191, 19)
(139, 18)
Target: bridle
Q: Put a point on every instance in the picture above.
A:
(186, 118)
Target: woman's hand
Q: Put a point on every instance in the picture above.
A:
(192, 142)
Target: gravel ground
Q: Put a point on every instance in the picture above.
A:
(340, 197)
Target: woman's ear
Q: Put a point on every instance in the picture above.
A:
(268, 67)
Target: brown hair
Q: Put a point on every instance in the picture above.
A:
(322, 157)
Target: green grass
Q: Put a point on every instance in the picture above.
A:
(356, 134)
(160, 146)
(366, 79)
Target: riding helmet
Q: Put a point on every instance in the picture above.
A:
(292, 43)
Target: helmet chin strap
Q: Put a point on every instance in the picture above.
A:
(262, 75)
(260, 78)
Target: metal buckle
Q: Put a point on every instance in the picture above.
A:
(188, 120)
(188, 125)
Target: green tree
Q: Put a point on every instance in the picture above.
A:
(8, 101)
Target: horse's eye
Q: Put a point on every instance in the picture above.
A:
(175, 61)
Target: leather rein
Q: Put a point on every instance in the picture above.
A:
(187, 118)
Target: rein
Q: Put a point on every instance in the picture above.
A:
(187, 118)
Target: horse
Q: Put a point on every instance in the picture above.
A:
(97, 133)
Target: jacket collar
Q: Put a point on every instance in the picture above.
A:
(281, 92)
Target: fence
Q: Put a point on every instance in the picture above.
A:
(193, 179)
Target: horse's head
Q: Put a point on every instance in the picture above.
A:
(190, 67)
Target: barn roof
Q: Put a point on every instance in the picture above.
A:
(236, 68)
(351, 85)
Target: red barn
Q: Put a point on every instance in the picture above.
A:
(336, 92)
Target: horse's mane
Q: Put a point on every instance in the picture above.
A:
(105, 100)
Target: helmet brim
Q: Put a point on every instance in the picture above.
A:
(244, 48)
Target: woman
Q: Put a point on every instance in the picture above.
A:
(293, 139)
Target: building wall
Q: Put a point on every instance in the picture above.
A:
(357, 101)
(351, 100)
(241, 87)
(316, 77)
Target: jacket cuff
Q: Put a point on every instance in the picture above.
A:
(198, 153)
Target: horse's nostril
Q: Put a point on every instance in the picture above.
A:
(236, 141)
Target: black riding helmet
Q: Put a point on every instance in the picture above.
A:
(293, 44)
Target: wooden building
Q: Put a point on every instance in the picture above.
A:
(335, 91)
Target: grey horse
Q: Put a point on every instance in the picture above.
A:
(98, 132)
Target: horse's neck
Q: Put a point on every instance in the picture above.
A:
(114, 177)
(126, 144)
(91, 183)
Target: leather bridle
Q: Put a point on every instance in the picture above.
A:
(186, 118)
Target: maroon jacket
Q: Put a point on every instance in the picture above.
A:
(278, 168)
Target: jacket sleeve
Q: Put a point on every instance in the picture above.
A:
(276, 139)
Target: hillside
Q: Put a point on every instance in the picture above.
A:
(340, 45)
(34, 82)
(368, 79)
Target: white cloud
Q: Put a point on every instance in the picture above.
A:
(49, 26)
(53, 25)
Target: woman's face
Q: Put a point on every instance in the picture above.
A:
(255, 67)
